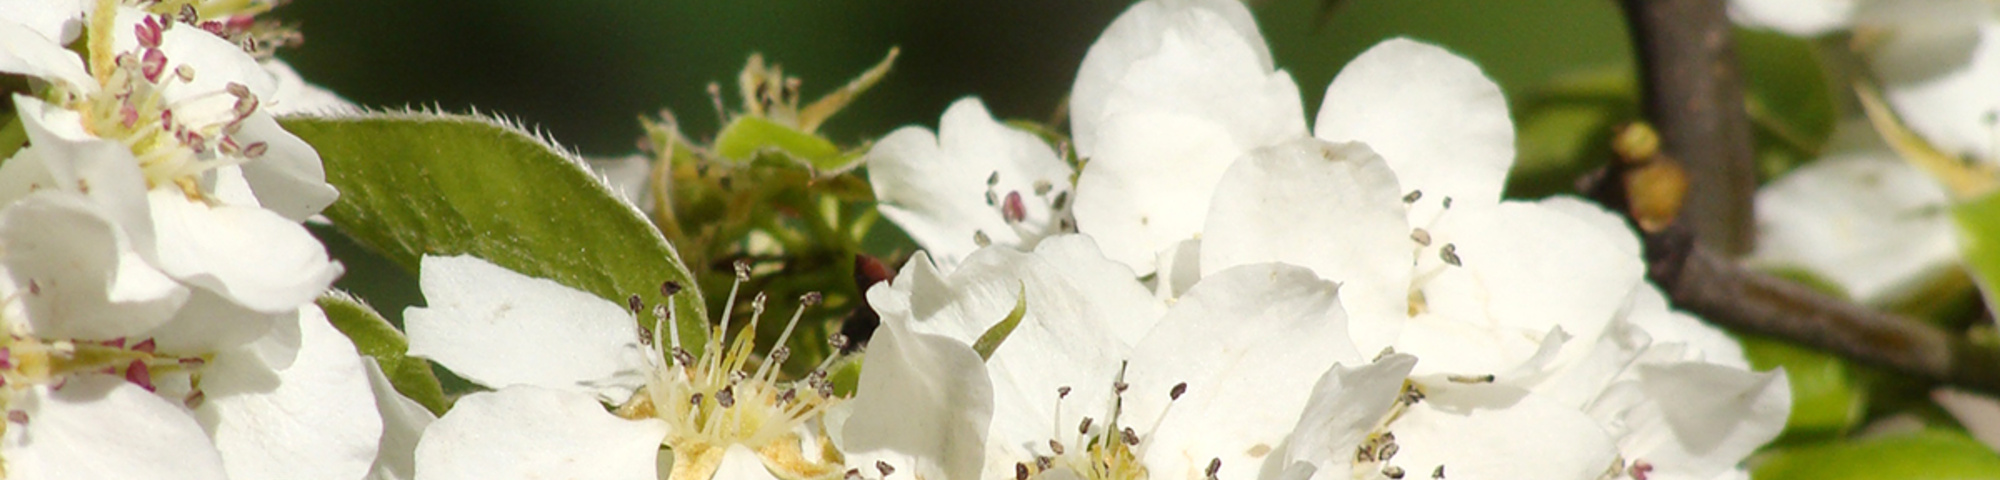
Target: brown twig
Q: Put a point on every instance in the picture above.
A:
(1695, 100)
(1688, 64)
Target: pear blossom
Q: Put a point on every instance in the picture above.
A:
(558, 357)
(1520, 315)
(1936, 62)
(159, 131)
(1861, 218)
(1098, 378)
(139, 406)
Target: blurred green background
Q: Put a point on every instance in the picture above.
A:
(586, 69)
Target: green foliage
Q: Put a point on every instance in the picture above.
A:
(1929, 454)
(375, 337)
(430, 184)
(1979, 228)
(1826, 400)
(747, 136)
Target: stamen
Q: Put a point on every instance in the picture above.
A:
(1449, 253)
(1214, 466)
(1413, 196)
(885, 468)
(1438, 474)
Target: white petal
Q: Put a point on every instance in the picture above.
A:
(923, 405)
(103, 170)
(532, 432)
(1438, 121)
(1149, 185)
(936, 187)
(501, 328)
(29, 49)
(1083, 314)
(288, 178)
(1796, 17)
(80, 275)
(1979, 413)
(57, 20)
(1345, 406)
(1611, 225)
(317, 421)
(1647, 309)
(1702, 420)
(1956, 108)
(209, 323)
(1528, 268)
(1495, 431)
(403, 423)
(1244, 340)
(739, 463)
(1334, 208)
(1179, 269)
(1867, 221)
(1201, 58)
(250, 255)
(216, 61)
(294, 95)
(100, 426)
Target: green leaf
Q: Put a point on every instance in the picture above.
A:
(990, 340)
(1826, 402)
(1929, 454)
(747, 136)
(375, 337)
(1979, 232)
(415, 184)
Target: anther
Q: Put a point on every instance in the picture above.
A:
(1042, 187)
(1062, 391)
(1447, 203)
(1413, 196)
(153, 64)
(695, 399)
(1055, 446)
(726, 397)
(137, 373)
(1013, 210)
(184, 72)
(1421, 236)
(837, 341)
(1387, 452)
(1214, 466)
(17, 416)
(634, 304)
(993, 178)
(1179, 389)
(1083, 428)
(979, 238)
(884, 467)
(1131, 438)
(1020, 471)
(1438, 474)
(669, 288)
(1119, 387)
(742, 270)
(1393, 472)
(194, 400)
(852, 474)
(1450, 255)
(810, 299)
(992, 199)
(256, 149)
(1062, 200)
(1640, 469)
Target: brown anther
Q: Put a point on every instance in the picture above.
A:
(1413, 196)
(669, 288)
(1178, 390)
(1020, 471)
(810, 299)
(1214, 466)
(1130, 437)
(1119, 387)
(1438, 474)
(742, 270)
(1421, 236)
(1449, 253)
(1062, 391)
(1055, 446)
(884, 467)
(634, 304)
(1393, 472)
(1083, 428)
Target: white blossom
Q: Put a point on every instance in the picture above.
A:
(558, 357)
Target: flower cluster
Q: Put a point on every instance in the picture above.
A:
(158, 285)
(1210, 289)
